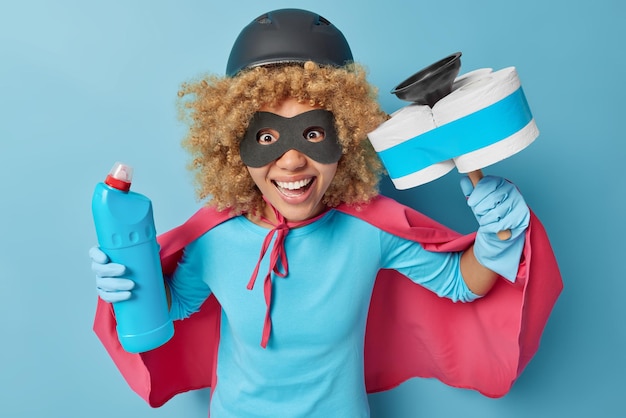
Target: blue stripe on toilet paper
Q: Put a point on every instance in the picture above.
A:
(469, 133)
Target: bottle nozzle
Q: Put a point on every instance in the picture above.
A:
(120, 177)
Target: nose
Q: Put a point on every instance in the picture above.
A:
(291, 160)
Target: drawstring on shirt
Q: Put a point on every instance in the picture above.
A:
(277, 253)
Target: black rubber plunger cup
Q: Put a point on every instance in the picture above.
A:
(430, 84)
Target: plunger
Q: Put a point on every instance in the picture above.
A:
(428, 86)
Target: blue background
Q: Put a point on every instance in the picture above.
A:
(84, 85)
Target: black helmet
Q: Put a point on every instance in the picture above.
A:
(288, 35)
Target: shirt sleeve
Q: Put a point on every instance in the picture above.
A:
(187, 285)
(438, 272)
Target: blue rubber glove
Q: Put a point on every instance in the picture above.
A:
(111, 287)
(498, 206)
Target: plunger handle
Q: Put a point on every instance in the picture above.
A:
(475, 177)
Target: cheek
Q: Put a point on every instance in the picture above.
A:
(257, 175)
(328, 174)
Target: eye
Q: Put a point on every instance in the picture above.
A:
(267, 136)
(314, 134)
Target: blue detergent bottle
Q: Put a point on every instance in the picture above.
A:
(125, 229)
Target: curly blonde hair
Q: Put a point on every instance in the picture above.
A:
(218, 111)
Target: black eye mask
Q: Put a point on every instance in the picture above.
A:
(291, 135)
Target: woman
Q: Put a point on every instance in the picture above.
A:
(279, 147)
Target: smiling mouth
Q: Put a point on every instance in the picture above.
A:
(293, 188)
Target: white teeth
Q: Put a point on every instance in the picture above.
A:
(294, 185)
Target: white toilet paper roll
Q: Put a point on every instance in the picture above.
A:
(482, 121)
(498, 151)
(404, 124)
(475, 94)
(409, 122)
(472, 76)
(479, 94)
(423, 176)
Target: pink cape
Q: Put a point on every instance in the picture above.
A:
(483, 345)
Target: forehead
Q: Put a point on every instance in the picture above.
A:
(288, 108)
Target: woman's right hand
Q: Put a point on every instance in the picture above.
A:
(109, 283)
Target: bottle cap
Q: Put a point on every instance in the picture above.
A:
(120, 177)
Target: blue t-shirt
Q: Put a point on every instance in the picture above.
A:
(313, 363)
